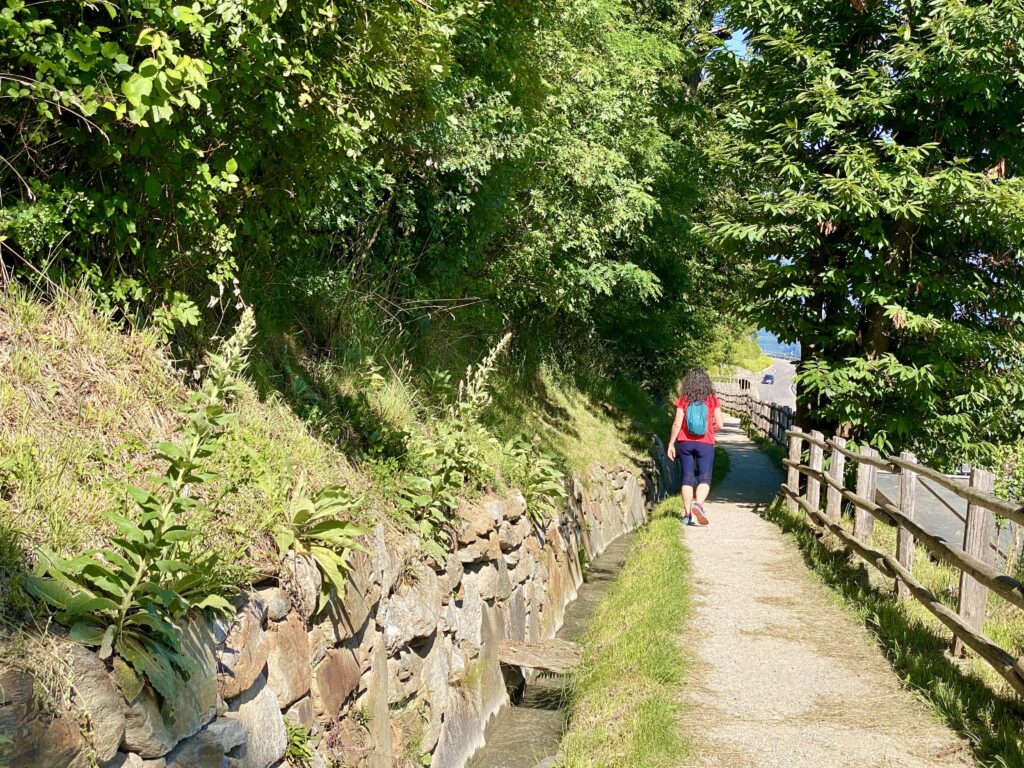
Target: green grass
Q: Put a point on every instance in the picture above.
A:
(636, 413)
(84, 401)
(966, 694)
(625, 695)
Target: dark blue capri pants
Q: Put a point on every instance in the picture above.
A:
(697, 460)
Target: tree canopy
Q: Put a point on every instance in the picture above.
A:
(600, 175)
(532, 158)
(882, 228)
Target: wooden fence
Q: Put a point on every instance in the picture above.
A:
(973, 558)
(770, 420)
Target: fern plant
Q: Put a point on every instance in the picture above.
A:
(128, 600)
(313, 528)
(537, 476)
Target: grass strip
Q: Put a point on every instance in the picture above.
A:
(624, 697)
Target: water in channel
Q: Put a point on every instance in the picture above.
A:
(529, 730)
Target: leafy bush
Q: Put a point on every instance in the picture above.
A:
(129, 600)
(314, 529)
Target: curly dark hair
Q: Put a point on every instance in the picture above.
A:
(696, 386)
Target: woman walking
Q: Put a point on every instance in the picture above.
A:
(692, 442)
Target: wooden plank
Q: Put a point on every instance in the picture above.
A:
(557, 656)
(1001, 661)
(814, 438)
(1005, 586)
(907, 506)
(973, 597)
(875, 460)
(836, 470)
(904, 537)
(985, 499)
(816, 462)
(867, 478)
(796, 449)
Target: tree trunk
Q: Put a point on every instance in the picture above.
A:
(875, 332)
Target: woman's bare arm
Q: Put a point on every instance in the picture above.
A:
(677, 424)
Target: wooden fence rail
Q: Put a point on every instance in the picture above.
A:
(770, 420)
(972, 557)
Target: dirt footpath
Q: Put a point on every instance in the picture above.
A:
(782, 677)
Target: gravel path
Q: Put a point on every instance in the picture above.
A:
(782, 677)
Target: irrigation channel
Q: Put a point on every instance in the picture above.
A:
(529, 730)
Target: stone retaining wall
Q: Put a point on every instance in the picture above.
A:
(405, 665)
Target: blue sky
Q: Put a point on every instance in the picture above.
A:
(737, 43)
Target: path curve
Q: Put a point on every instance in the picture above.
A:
(783, 677)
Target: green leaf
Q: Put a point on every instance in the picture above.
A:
(107, 642)
(47, 590)
(87, 633)
(128, 680)
(179, 534)
(82, 604)
(171, 566)
(136, 88)
(215, 603)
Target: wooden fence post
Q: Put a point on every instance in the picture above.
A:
(904, 539)
(836, 470)
(816, 462)
(796, 449)
(867, 478)
(977, 542)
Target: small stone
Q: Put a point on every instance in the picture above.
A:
(131, 760)
(301, 576)
(208, 748)
(514, 610)
(288, 670)
(514, 506)
(470, 616)
(512, 534)
(413, 610)
(334, 680)
(36, 738)
(391, 558)
(434, 687)
(277, 602)
(477, 520)
(377, 709)
(245, 649)
(453, 573)
(266, 736)
(477, 551)
(301, 712)
(492, 579)
(101, 700)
